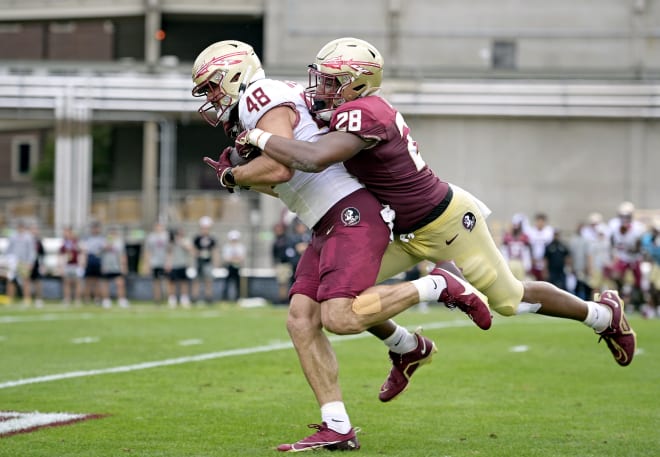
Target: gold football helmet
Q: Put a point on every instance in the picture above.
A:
(221, 73)
(345, 69)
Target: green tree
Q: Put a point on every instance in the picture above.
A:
(43, 176)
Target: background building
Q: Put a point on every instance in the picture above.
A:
(530, 105)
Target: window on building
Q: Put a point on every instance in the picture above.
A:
(24, 157)
(504, 54)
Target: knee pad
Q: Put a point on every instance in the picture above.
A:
(504, 308)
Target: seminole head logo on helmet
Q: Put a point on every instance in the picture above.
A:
(221, 73)
(345, 69)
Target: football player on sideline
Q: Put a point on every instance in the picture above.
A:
(334, 280)
(434, 220)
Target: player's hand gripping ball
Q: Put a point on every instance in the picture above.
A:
(223, 168)
(244, 148)
(236, 158)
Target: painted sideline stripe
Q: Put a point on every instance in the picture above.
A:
(203, 357)
(14, 422)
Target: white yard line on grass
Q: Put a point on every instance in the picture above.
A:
(45, 318)
(202, 357)
(53, 317)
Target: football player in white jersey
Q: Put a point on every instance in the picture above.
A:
(626, 235)
(334, 281)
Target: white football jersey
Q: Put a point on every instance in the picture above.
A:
(309, 195)
(538, 240)
(625, 245)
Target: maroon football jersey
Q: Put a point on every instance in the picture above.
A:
(392, 169)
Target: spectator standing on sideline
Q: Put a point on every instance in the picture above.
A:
(155, 252)
(179, 253)
(516, 249)
(114, 267)
(282, 251)
(233, 257)
(205, 248)
(539, 235)
(92, 247)
(70, 268)
(626, 233)
(650, 244)
(21, 254)
(557, 258)
(37, 270)
(600, 261)
(302, 236)
(578, 247)
(595, 227)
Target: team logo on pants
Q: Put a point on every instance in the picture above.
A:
(469, 221)
(350, 216)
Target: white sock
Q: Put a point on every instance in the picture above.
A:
(335, 417)
(598, 316)
(429, 287)
(401, 341)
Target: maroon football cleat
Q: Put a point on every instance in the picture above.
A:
(324, 438)
(619, 336)
(460, 294)
(403, 367)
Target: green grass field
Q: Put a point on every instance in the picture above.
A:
(226, 382)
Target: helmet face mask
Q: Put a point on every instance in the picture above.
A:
(218, 103)
(345, 69)
(324, 93)
(221, 73)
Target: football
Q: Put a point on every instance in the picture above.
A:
(236, 159)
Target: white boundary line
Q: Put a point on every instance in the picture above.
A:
(53, 317)
(202, 357)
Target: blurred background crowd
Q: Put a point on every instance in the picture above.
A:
(538, 111)
(202, 266)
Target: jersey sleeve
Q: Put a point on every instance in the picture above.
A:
(364, 118)
(264, 95)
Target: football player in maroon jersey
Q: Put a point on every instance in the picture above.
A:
(434, 220)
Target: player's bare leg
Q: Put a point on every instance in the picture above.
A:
(407, 351)
(380, 303)
(376, 305)
(554, 301)
(319, 364)
(605, 315)
(315, 353)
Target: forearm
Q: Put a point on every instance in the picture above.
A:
(299, 155)
(260, 172)
(296, 154)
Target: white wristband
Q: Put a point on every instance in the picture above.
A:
(259, 138)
